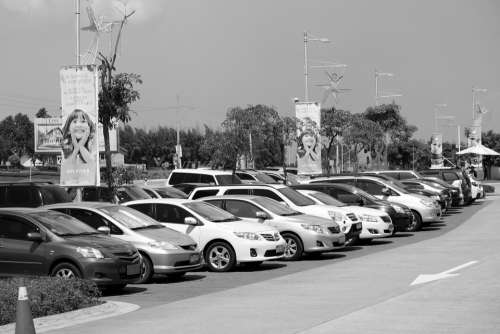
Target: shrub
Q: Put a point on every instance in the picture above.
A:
(47, 295)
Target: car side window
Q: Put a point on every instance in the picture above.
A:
(267, 193)
(94, 220)
(205, 193)
(238, 191)
(147, 209)
(370, 187)
(150, 192)
(207, 179)
(167, 213)
(17, 195)
(176, 178)
(16, 228)
(245, 176)
(346, 197)
(406, 176)
(241, 208)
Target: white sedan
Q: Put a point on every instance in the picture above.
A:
(224, 238)
(376, 223)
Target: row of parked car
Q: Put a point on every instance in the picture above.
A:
(219, 219)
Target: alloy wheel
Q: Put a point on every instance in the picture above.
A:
(290, 248)
(219, 257)
(65, 273)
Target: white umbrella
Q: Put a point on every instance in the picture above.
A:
(478, 149)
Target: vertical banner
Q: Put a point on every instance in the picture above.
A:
(308, 116)
(474, 139)
(437, 150)
(79, 98)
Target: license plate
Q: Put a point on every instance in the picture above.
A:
(280, 249)
(133, 269)
(195, 258)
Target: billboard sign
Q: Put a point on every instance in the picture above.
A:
(437, 150)
(474, 139)
(79, 99)
(308, 116)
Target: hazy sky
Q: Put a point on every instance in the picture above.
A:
(219, 54)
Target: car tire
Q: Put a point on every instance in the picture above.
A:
(66, 270)
(416, 224)
(293, 248)
(147, 270)
(220, 257)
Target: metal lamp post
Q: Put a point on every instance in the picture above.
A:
(307, 38)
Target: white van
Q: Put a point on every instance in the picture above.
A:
(207, 176)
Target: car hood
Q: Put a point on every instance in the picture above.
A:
(167, 234)
(100, 241)
(360, 210)
(308, 219)
(246, 226)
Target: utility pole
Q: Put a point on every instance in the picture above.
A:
(77, 13)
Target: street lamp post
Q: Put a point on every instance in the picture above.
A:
(307, 38)
(382, 74)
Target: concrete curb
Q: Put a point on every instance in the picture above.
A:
(76, 317)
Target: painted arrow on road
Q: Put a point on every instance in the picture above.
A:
(426, 278)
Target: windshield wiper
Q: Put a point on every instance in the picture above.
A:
(77, 234)
(292, 214)
(224, 220)
(147, 227)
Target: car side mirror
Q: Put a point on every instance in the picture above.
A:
(35, 237)
(104, 230)
(386, 191)
(190, 221)
(261, 215)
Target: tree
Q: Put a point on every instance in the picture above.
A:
(116, 95)
(334, 123)
(363, 134)
(42, 113)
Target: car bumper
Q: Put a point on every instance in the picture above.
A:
(372, 230)
(354, 230)
(175, 262)
(430, 214)
(251, 251)
(402, 221)
(110, 272)
(315, 242)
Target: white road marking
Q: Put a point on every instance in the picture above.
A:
(425, 278)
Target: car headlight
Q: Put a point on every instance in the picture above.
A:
(427, 203)
(162, 245)
(369, 218)
(399, 209)
(435, 197)
(247, 235)
(90, 252)
(336, 216)
(315, 228)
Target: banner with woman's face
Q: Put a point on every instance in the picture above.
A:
(308, 138)
(437, 150)
(79, 101)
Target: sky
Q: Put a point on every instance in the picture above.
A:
(220, 54)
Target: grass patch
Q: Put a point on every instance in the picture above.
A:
(47, 295)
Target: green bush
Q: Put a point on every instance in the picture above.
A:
(47, 295)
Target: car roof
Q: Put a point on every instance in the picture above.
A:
(160, 200)
(249, 185)
(18, 210)
(83, 205)
(245, 197)
(203, 171)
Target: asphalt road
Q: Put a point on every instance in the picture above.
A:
(162, 291)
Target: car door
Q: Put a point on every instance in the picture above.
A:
(173, 216)
(18, 255)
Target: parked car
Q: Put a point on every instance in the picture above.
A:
(438, 193)
(225, 239)
(124, 193)
(397, 174)
(291, 179)
(164, 250)
(302, 233)
(401, 216)
(253, 176)
(43, 242)
(162, 192)
(202, 175)
(457, 196)
(376, 223)
(349, 223)
(424, 209)
(31, 194)
(455, 177)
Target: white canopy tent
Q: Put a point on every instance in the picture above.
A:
(478, 149)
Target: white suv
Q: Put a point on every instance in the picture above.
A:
(201, 175)
(349, 223)
(224, 238)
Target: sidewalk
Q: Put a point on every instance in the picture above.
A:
(349, 296)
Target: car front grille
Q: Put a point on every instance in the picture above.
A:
(334, 229)
(352, 216)
(386, 219)
(270, 237)
(130, 257)
(272, 252)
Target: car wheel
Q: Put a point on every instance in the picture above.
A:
(146, 270)
(293, 248)
(416, 223)
(66, 270)
(220, 257)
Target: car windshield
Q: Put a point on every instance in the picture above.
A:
(397, 185)
(326, 199)
(171, 192)
(366, 195)
(135, 192)
(276, 207)
(264, 178)
(211, 212)
(295, 197)
(62, 224)
(225, 180)
(130, 218)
